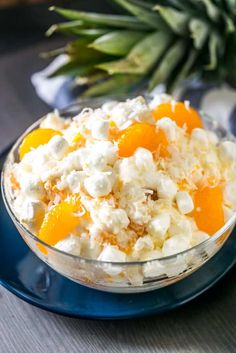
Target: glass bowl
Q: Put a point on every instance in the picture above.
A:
(124, 277)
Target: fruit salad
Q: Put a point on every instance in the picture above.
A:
(129, 181)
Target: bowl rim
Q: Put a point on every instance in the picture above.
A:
(15, 219)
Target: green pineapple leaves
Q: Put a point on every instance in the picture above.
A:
(199, 32)
(100, 19)
(150, 18)
(142, 57)
(157, 41)
(117, 42)
(177, 20)
(167, 65)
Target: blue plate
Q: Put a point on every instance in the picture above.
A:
(25, 275)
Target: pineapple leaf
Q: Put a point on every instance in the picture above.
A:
(142, 57)
(177, 20)
(231, 4)
(167, 65)
(101, 19)
(117, 42)
(214, 43)
(212, 10)
(148, 17)
(184, 71)
(199, 31)
(90, 32)
(72, 68)
(116, 85)
(64, 27)
(75, 28)
(230, 27)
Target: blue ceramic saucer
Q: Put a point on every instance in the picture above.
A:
(25, 275)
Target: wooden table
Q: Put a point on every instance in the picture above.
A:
(207, 325)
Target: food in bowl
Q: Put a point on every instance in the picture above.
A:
(129, 181)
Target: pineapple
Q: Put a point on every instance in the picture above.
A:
(156, 42)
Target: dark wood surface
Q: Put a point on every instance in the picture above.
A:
(207, 325)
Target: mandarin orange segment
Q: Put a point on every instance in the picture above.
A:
(142, 135)
(180, 113)
(208, 209)
(36, 138)
(59, 222)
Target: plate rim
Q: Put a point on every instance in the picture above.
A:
(28, 299)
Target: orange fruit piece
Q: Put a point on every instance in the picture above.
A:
(60, 221)
(142, 135)
(36, 138)
(180, 113)
(208, 209)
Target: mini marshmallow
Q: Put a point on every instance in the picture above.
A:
(159, 225)
(99, 129)
(107, 150)
(143, 159)
(184, 202)
(229, 194)
(198, 237)
(98, 184)
(112, 254)
(57, 147)
(53, 121)
(227, 152)
(74, 181)
(152, 255)
(32, 188)
(166, 188)
(175, 244)
(143, 243)
(200, 137)
(70, 245)
(113, 219)
(169, 127)
(32, 210)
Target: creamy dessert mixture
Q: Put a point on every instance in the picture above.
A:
(128, 181)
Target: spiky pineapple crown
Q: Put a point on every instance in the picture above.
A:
(159, 42)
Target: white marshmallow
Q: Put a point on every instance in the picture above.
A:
(166, 188)
(143, 159)
(169, 127)
(212, 137)
(184, 202)
(228, 213)
(227, 152)
(99, 129)
(198, 237)
(159, 225)
(113, 219)
(230, 194)
(180, 226)
(75, 180)
(57, 147)
(143, 243)
(200, 137)
(98, 184)
(175, 244)
(32, 188)
(152, 255)
(53, 121)
(106, 149)
(112, 254)
(70, 245)
(31, 210)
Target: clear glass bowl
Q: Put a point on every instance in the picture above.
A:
(118, 277)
